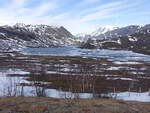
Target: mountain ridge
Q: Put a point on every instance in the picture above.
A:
(113, 32)
(21, 36)
(139, 41)
(18, 36)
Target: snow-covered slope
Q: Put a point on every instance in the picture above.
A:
(117, 32)
(81, 37)
(95, 34)
(21, 35)
(110, 32)
(103, 30)
(139, 41)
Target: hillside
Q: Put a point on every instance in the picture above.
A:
(111, 32)
(21, 36)
(138, 42)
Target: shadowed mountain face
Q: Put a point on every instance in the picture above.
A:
(138, 42)
(20, 36)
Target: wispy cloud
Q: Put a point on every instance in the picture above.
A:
(75, 18)
(17, 4)
(86, 2)
(17, 11)
(106, 10)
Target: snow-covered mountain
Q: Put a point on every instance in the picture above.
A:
(110, 32)
(119, 32)
(81, 37)
(21, 35)
(103, 30)
(139, 41)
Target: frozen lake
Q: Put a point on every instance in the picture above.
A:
(71, 72)
(118, 55)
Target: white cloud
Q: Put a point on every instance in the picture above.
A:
(74, 21)
(17, 12)
(98, 15)
(104, 11)
(17, 3)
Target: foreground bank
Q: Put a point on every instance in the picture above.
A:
(49, 105)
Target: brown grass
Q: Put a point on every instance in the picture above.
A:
(49, 105)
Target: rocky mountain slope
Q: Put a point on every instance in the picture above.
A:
(112, 32)
(139, 42)
(134, 37)
(103, 30)
(21, 35)
(95, 34)
(118, 32)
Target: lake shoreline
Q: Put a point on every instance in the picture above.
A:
(112, 74)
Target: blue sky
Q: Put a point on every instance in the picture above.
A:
(78, 16)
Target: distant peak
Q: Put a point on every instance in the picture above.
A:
(110, 27)
(103, 30)
(22, 25)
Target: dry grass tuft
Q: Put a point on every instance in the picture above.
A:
(50, 105)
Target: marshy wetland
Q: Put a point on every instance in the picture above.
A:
(71, 72)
